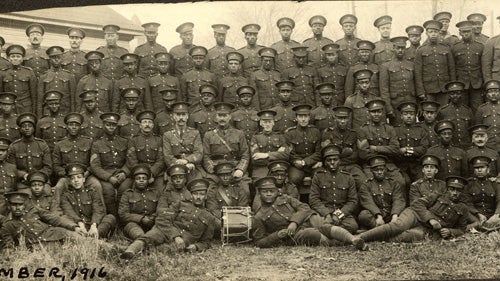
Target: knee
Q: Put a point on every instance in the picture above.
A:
(308, 236)
(366, 219)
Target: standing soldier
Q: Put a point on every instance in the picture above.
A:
(8, 126)
(365, 52)
(322, 116)
(333, 72)
(490, 62)
(203, 114)
(92, 124)
(489, 113)
(216, 57)
(414, 36)
(348, 54)
(164, 121)
(244, 117)
(251, 59)
(96, 81)
(180, 53)
(4, 63)
(284, 54)
(285, 116)
(314, 44)
(191, 80)
(57, 79)
(73, 60)
(429, 112)
(233, 79)
(51, 127)
(147, 51)
(467, 54)
(35, 57)
(19, 80)
(444, 36)
(434, 65)
(384, 50)
(478, 20)
(162, 80)
(128, 125)
(304, 77)
(264, 80)
(112, 65)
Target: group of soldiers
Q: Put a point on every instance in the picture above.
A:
(323, 139)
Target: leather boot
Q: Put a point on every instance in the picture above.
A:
(345, 236)
(133, 249)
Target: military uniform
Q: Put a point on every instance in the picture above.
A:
(323, 116)
(383, 51)
(128, 126)
(147, 61)
(99, 83)
(414, 137)
(71, 150)
(264, 82)
(335, 74)
(57, 80)
(350, 82)
(484, 196)
(51, 129)
(315, 55)
(357, 102)
(112, 65)
(453, 160)
(76, 63)
(185, 144)
(245, 118)
(4, 63)
(490, 61)
(411, 52)
(489, 114)
(8, 126)
(475, 151)
(216, 57)
(8, 178)
(284, 57)
(305, 79)
(203, 119)
(425, 187)
(462, 118)
(160, 82)
(36, 59)
(44, 200)
(215, 151)
(172, 195)
(348, 52)
(92, 126)
(126, 82)
(191, 81)
(164, 121)
(227, 86)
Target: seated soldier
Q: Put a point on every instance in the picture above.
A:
(283, 220)
(443, 214)
(186, 223)
(36, 225)
(176, 189)
(333, 192)
(40, 198)
(380, 197)
(479, 133)
(137, 209)
(9, 179)
(428, 184)
(81, 204)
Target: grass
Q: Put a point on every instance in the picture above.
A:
(472, 256)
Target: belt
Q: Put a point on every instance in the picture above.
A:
(228, 157)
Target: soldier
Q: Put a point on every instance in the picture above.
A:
(147, 51)
(304, 141)
(35, 57)
(384, 50)
(348, 54)
(304, 77)
(92, 124)
(264, 80)
(73, 60)
(453, 159)
(225, 144)
(202, 116)
(365, 52)
(233, 78)
(285, 116)
(322, 116)
(284, 220)
(381, 198)
(191, 80)
(489, 112)
(397, 83)
(267, 145)
(29, 153)
(333, 72)
(4, 63)
(8, 126)
(96, 81)
(56, 79)
(137, 209)
(180, 53)
(51, 127)
(478, 20)
(112, 65)
(480, 137)
(284, 54)
(414, 36)
(490, 64)
(314, 44)
(245, 117)
(164, 121)
(90, 215)
(19, 80)
(162, 80)
(216, 61)
(107, 161)
(176, 188)
(8, 180)
(458, 112)
(484, 194)
(250, 52)
(39, 197)
(434, 65)
(333, 192)
(467, 54)
(427, 184)
(429, 113)
(36, 225)
(128, 125)
(444, 36)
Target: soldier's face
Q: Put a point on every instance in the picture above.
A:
(187, 38)
(385, 30)
(429, 171)
(73, 128)
(246, 100)
(178, 181)
(17, 209)
(225, 178)
(364, 55)
(446, 24)
(408, 117)
(27, 129)
(111, 38)
(280, 177)
(220, 38)
(56, 60)
(77, 181)
(35, 38)
(303, 119)
(54, 105)
(94, 65)
(349, 28)
(454, 193)
(198, 60)
(482, 171)
(110, 128)
(151, 36)
(163, 66)
(223, 118)
(342, 121)
(130, 67)
(141, 181)
(199, 197)
(285, 32)
(75, 42)
(456, 97)
(267, 124)
(376, 115)
(332, 162)
(477, 28)
(285, 95)
(430, 116)
(36, 188)
(180, 118)
(251, 38)
(267, 63)
(131, 103)
(479, 139)
(466, 35)
(168, 103)
(6, 108)
(364, 84)
(207, 99)
(147, 125)
(399, 51)
(15, 59)
(300, 61)
(3, 154)
(432, 34)
(379, 172)
(446, 136)
(326, 99)
(415, 38)
(317, 28)
(90, 105)
(233, 66)
(493, 95)
(268, 195)
(331, 57)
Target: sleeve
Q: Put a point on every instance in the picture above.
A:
(47, 158)
(34, 91)
(460, 226)
(96, 165)
(183, 88)
(280, 155)
(366, 200)
(211, 203)
(302, 211)
(451, 66)
(204, 242)
(78, 100)
(244, 152)
(414, 192)
(165, 221)
(261, 237)
(487, 58)
(384, 82)
(68, 210)
(423, 144)
(148, 100)
(392, 149)
(315, 197)
(55, 207)
(56, 220)
(115, 97)
(8, 235)
(73, 97)
(421, 205)
(124, 211)
(349, 85)
(131, 153)
(352, 198)
(97, 208)
(159, 165)
(464, 167)
(398, 199)
(315, 157)
(40, 90)
(197, 155)
(168, 156)
(419, 82)
(208, 163)
(57, 161)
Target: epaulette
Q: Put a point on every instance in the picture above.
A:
(369, 179)
(418, 181)
(289, 129)
(26, 67)
(311, 126)
(39, 139)
(308, 39)
(436, 145)
(5, 68)
(484, 104)
(321, 171)
(471, 179)
(140, 76)
(85, 137)
(345, 172)
(64, 70)
(16, 141)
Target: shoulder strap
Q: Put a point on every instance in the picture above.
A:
(223, 141)
(224, 196)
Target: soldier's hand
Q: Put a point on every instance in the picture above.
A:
(238, 173)
(81, 231)
(179, 243)
(482, 218)
(347, 151)
(181, 162)
(379, 221)
(472, 226)
(151, 180)
(191, 248)
(373, 148)
(121, 177)
(113, 180)
(283, 233)
(145, 221)
(336, 220)
(190, 166)
(86, 174)
(260, 155)
(93, 231)
(292, 227)
(394, 218)
(297, 164)
(435, 224)
(445, 232)
(282, 149)
(328, 219)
